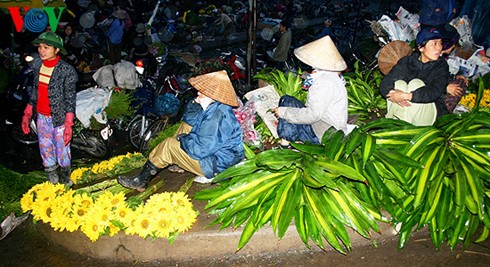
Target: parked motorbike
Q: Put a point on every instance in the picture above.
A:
(163, 85)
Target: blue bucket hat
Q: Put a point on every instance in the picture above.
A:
(427, 34)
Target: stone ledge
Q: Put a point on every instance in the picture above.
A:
(200, 243)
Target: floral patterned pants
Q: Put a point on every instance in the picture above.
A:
(51, 143)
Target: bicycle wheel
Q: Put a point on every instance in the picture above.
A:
(152, 132)
(137, 128)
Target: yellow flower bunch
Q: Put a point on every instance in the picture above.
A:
(103, 167)
(469, 100)
(163, 215)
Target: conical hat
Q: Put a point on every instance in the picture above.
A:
(321, 54)
(119, 13)
(391, 53)
(216, 85)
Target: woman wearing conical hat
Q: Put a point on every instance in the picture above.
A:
(208, 141)
(326, 103)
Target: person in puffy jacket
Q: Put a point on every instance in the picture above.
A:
(208, 141)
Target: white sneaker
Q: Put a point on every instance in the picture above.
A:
(202, 180)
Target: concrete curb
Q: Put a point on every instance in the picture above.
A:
(200, 243)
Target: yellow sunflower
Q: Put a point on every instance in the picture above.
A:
(131, 227)
(162, 227)
(44, 211)
(61, 212)
(27, 200)
(101, 214)
(113, 230)
(92, 229)
(142, 226)
(76, 175)
(83, 200)
(185, 220)
(180, 199)
(124, 215)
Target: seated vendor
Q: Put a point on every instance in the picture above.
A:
(208, 141)
(326, 103)
(415, 86)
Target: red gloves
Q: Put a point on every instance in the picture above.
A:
(68, 133)
(26, 119)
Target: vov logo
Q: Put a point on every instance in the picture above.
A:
(34, 15)
(35, 19)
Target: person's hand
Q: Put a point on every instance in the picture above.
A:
(399, 97)
(454, 89)
(26, 129)
(68, 133)
(275, 111)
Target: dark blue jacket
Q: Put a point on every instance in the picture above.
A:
(215, 139)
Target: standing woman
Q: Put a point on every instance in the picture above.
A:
(53, 99)
(115, 35)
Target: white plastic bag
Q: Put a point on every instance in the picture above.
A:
(265, 98)
(91, 102)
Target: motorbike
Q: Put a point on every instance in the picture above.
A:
(94, 143)
(164, 87)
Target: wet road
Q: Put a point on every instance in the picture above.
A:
(27, 247)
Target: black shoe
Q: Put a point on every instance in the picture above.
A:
(65, 173)
(52, 174)
(140, 181)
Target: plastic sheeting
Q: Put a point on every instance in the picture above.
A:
(122, 74)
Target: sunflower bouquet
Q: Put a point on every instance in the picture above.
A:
(103, 208)
(468, 101)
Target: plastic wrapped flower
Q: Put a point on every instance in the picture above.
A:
(245, 115)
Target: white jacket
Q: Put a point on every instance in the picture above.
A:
(326, 105)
